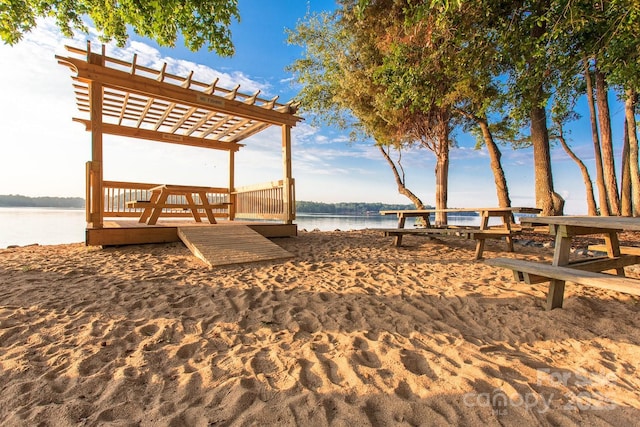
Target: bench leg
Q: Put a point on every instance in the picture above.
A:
(479, 248)
(555, 295)
(157, 210)
(192, 206)
(613, 249)
(397, 240)
(560, 257)
(207, 208)
(149, 209)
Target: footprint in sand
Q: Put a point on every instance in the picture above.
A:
(368, 358)
(331, 370)
(416, 363)
(307, 378)
(187, 351)
(262, 364)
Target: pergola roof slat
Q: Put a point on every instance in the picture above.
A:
(139, 98)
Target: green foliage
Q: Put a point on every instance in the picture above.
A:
(347, 208)
(201, 23)
(16, 200)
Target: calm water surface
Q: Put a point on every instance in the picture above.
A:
(25, 226)
(46, 226)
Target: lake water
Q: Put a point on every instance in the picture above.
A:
(25, 226)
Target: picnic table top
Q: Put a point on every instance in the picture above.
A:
(516, 209)
(603, 222)
(185, 188)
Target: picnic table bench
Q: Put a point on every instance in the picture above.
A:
(479, 233)
(160, 194)
(586, 272)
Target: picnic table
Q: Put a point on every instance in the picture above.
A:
(160, 194)
(480, 233)
(587, 272)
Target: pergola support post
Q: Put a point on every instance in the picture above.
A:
(232, 185)
(96, 169)
(288, 190)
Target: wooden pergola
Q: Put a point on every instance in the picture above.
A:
(126, 99)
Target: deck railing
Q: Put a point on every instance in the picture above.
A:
(118, 193)
(265, 201)
(262, 201)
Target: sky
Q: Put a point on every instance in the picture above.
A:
(43, 152)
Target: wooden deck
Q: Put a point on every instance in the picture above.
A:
(239, 244)
(130, 232)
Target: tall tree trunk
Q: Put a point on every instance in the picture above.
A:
(606, 139)
(592, 208)
(626, 203)
(442, 185)
(595, 135)
(442, 169)
(546, 199)
(502, 191)
(400, 182)
(634, 168)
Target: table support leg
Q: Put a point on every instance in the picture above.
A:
(397, 240)
(555, 296)
(479, 248)
(207, 208)
(158, 209)
(613, 249)
(148, 210)
(192, 207)
(506, 223)
(484, 224)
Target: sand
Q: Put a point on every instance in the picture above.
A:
(351, 332)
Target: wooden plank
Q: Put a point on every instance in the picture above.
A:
(222, 245)
(628, 250)
(457, 232)
(596, 222)
(478, 235)
(130, 236)
(587, 278)
(415, 212)
(275, 230)
(605, 263)
(154, 135)
(121, 233)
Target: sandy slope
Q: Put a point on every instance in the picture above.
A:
(350, 332)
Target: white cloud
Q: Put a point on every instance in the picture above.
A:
(43, 152)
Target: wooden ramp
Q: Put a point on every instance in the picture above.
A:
(225, 245)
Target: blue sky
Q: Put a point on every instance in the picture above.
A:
(42, 152)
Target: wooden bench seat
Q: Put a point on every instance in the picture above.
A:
(629, 250)
(532, 272)
(468, 233)
(146, 204)
(138, 204)
(456, 232)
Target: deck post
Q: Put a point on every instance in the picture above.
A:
(232, 185)
(95, 99)
(287, 193)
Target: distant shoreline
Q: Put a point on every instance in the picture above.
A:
(19, 201)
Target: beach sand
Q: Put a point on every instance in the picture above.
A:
(350, 332)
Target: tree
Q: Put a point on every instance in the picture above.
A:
(525, 44)
(595, 136)
(632, 136)
(200, 22)
(606, 34)
(338, 88)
